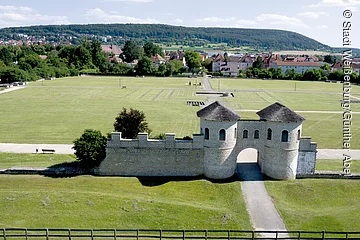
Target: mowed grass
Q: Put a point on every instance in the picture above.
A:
(279, 85)
(9, 160)
(336, 165)
(124, 203)
(317, 204)
(59, 111)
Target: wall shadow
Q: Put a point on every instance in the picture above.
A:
(158, 181)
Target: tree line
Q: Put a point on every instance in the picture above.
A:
(267, 39)
(25, 63)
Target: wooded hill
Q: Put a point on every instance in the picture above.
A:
(262, 39)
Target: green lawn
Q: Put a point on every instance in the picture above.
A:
(58, 111)
(317, 204)
(336, 165)
(9, 160)
(278, 85)
(123, 203)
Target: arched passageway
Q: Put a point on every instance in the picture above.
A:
(247, 167)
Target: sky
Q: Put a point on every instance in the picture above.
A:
(321, 20)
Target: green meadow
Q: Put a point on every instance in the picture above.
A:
(58, 111)
(317, 204)
(123, 203)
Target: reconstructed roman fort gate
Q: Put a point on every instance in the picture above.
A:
(282, 152)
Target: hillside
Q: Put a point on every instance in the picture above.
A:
(264, 39)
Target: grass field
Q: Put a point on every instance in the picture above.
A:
(336, 165)
(9, 160)
(105, 202)
(317, 204)
(58, 111)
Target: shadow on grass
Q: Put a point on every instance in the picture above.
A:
(158, 181)
(70, 169)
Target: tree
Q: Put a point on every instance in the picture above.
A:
(90, 148)
(259, 63)
(207, 63)
(312, 75)
(131, 51)
(150, 49)
(193, 60)
(130, 123)
(144, 66)
(330, 59)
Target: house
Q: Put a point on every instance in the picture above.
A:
(299, 67)
(111, 49)
(157, 60)
(339, 66)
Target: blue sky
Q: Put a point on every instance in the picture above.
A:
(318, 19)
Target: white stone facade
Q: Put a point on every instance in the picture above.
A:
(282, 152)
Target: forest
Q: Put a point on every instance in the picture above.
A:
(262, 39)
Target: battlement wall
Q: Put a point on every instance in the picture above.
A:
(149, 157)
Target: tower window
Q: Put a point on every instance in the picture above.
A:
(269, 134)
(206, 134)
(284, 136)
(299, 134)
(235, 133)
(222, 135)
(245, 134)
(256, 134)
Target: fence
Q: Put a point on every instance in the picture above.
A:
(117, 234)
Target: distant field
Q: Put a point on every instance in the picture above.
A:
(317, 204)
(312, 53)
(123, 203)
(58, 111)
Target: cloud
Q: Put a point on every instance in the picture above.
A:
(225, 22)
(276, 19)
(100, 16)
(323, 27)
(14, 16)
(178, 21)
(336, 3)
(313, 15)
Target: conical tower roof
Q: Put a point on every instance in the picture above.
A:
(218, 112)
(279, 113)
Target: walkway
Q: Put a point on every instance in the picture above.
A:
(31, 148)
(262, 211)
(10, 89)
(67, 149)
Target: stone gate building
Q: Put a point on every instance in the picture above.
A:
(282, 152)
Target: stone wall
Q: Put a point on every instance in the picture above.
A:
(307, 156)
(147, 157)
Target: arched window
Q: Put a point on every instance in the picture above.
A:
(222, 135)
(245, 134)
(256, 134)
(299, 134)
(235, 133)
(284, 136)
(206, 134)
(269, 134)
